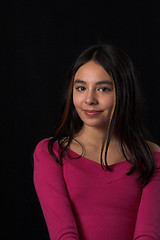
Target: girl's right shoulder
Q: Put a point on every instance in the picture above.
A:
(42, 146)
(41, 151)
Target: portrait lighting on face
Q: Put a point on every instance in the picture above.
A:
(93, 97)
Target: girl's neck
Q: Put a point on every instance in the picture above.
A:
(92, 136)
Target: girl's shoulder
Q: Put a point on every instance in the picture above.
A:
(153, 146)
(43, 149)
(156, 153)
(42, 154)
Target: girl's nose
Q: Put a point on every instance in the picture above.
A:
(90, 98)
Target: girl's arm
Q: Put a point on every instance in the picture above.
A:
(148, 218)
(52, 193)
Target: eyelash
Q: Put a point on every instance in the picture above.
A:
(105, 89)
(81, 89)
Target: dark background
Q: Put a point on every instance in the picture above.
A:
(43, 39)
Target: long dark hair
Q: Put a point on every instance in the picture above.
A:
(125, 120)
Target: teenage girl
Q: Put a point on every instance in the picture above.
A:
(98, 176)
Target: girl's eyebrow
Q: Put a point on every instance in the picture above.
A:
(104, 82)
(79, 81)
(97, 83)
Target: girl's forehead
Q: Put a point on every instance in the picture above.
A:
(92, 71)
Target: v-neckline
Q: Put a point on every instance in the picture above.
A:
(77, 156)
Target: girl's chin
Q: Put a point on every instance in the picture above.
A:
(95, 125)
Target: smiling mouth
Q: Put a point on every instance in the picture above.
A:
(91, 112)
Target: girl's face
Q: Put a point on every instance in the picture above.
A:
(93, 94)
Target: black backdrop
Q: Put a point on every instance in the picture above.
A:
(44, 38)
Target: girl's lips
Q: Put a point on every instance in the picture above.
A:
(91, 113)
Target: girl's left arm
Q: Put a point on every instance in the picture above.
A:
(148, 217)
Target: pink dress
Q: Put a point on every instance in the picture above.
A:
(82, 201)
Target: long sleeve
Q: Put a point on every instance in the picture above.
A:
(53, 196)
(148, 218)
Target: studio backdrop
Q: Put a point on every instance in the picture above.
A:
(44, 38)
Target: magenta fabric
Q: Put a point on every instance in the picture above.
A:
(82, 201)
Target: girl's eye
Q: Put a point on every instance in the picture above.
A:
(80, 88)
(104, 89)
